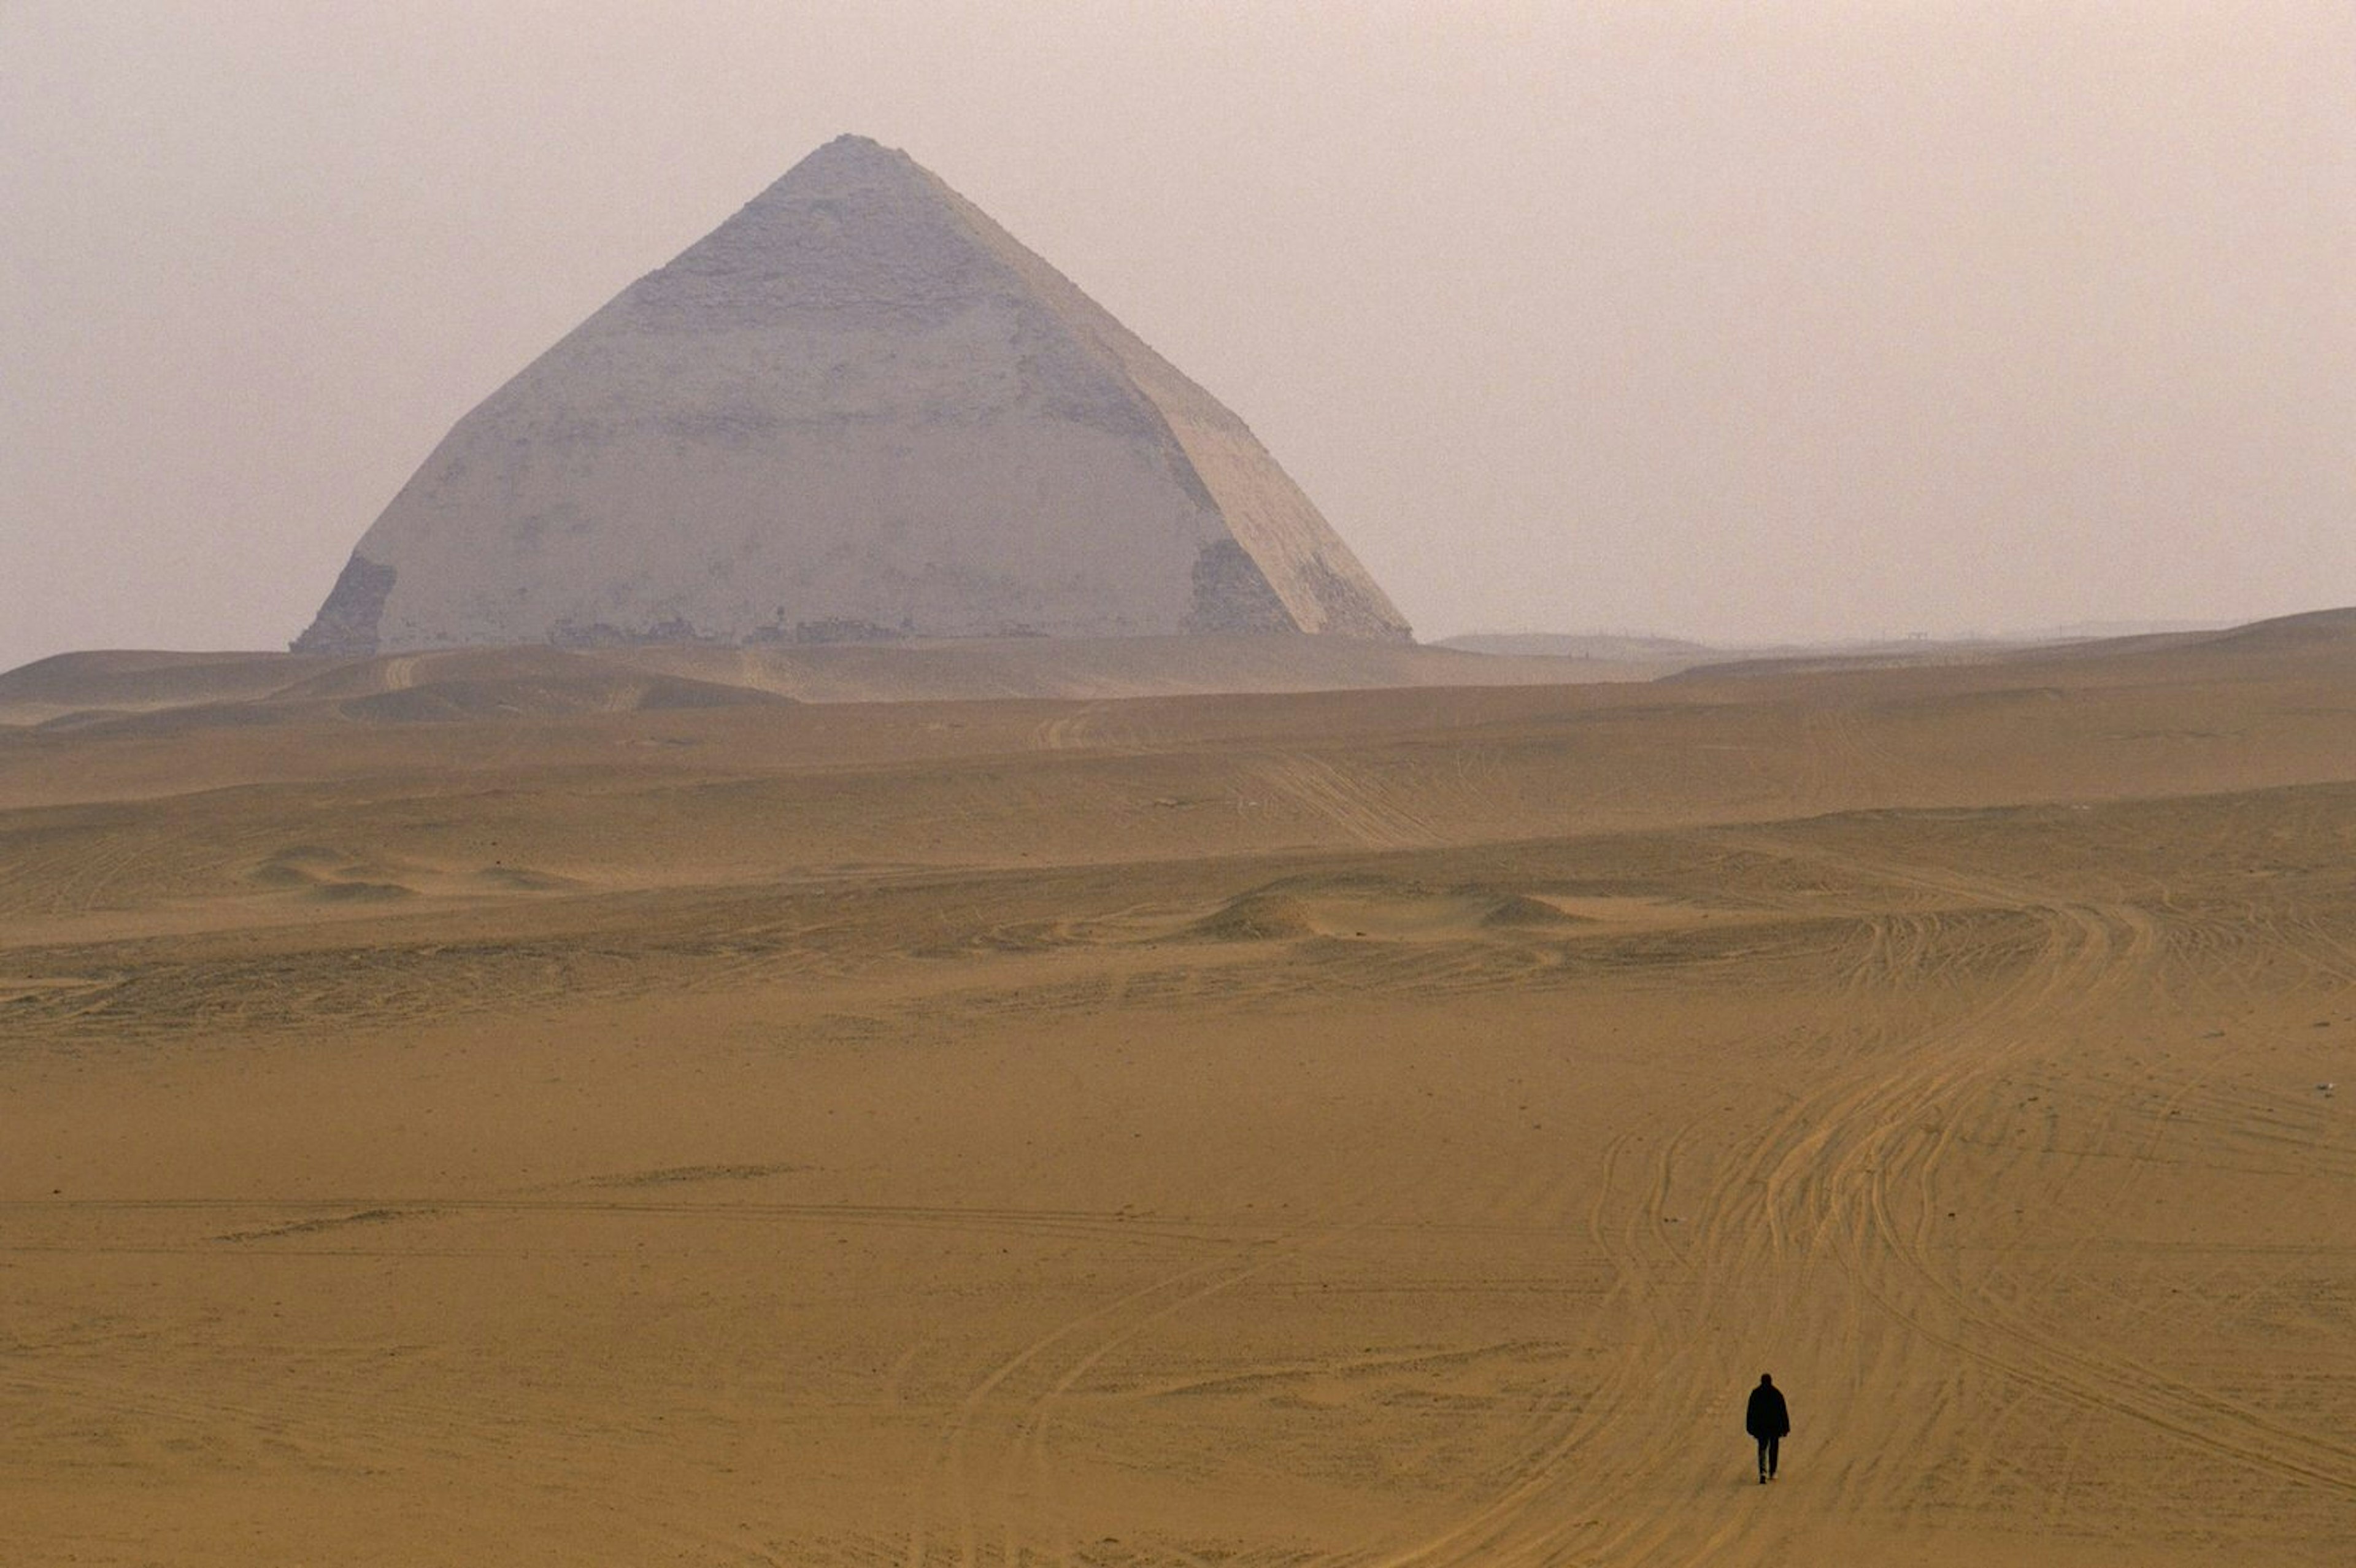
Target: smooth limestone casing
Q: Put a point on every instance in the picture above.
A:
(857, 409)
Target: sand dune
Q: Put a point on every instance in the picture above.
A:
(1375, 1127)
(141, 682)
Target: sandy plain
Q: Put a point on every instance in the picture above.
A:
(494, 1109)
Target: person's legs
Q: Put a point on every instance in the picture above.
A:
(1766, 1446)
(1770, 1446)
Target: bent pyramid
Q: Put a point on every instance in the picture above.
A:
(858, 408)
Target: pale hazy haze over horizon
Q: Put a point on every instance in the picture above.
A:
(1809, 321)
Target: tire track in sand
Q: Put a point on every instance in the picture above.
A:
(1840, 1186)
(1033, 1380)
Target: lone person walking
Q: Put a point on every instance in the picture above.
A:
(1768, 1420)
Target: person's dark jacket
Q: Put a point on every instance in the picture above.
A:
(1767, 1417)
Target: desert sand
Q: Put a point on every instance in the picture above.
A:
(518, 1109)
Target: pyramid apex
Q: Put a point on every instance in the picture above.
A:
(848, 159)
(850, 144)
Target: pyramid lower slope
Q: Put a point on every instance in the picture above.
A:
(858, 410)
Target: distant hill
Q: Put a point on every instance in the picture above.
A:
(1634, 647)
(1580, 645)
(2311, 629)
(158, 691)
(155, 688)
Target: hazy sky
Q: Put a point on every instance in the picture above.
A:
(1742, 321)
